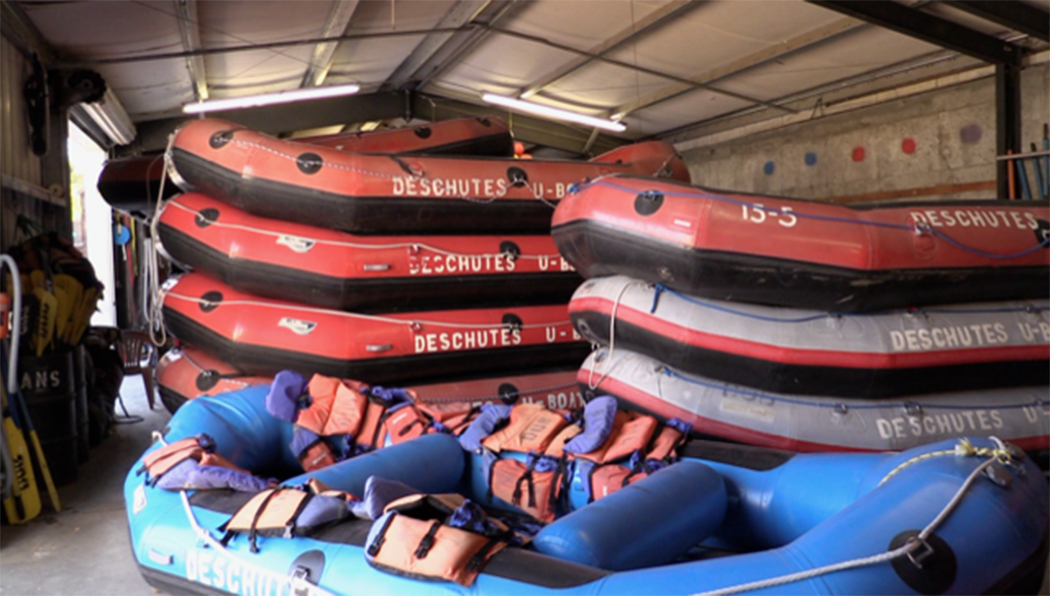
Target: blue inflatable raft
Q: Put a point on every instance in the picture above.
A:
(955, 517)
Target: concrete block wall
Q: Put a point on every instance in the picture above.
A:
(953, 131)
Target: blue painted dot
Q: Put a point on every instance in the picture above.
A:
(769, 168)
(811, 158)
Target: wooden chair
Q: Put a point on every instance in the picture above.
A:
(139, 356)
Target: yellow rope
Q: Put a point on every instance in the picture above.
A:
(964, 448)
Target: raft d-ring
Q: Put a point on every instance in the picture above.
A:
(413, 249)
(841, 409)
(913, 409)
(415, 326)
(922, 228)
(923, 553)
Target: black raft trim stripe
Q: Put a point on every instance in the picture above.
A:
(364, 215)
(832, 381)
(600, 250)
(432, 367)
(371, 295)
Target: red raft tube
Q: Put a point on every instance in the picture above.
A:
(806, 254)
(262, 336)
(300, 263)
(187, 373)
(131, 184)
(392, 194)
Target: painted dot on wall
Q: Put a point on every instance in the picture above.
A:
(858, 154)
(970, 134)
(811, 158)
(769, 168)
(908, 145)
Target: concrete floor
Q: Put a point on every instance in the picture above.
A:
(84, 550)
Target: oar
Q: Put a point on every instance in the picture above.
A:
(24, 503)
(1039, 178)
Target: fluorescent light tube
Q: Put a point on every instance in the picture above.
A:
(111, 118)
(541, 110)
(234, 103)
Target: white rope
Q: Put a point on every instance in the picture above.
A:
(158, 335)
(612, 337)
(411, 246)
(898, 552)
(354, 315)
(420, 175)
(205, 536)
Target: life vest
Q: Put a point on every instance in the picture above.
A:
(535, 486)
(608, 476)
(452, 418)
(335, 408)
(532, 427)
(200, 448)
(287, 512)
(631, 432)
(435, 537)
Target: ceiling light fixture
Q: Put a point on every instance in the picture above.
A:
(254, 101)
(108, 116)
(542, 110)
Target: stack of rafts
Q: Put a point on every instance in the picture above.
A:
(388, 268)
(812, 326)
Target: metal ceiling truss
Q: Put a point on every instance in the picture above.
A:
(282, 118)
(190, 33)
(651, 22)
(461, 13)
(784, 48)
(1018, 16)
(931, 29)
(629, 66)
(460, 45)
(321, 58)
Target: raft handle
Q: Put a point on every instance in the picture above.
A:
(918, 556)
(378, 347)
(377, 267)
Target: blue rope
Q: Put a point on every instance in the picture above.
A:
(803, 402)
(830, 218)
(660, 288)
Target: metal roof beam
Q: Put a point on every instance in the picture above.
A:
(527, 129)
(190, 33)
(653, 20)
(461, 44)
(928, 28)
(774, 52)
(321, 58)
(629, 66)
(1018, 16)
(461, 13)
(282, 118)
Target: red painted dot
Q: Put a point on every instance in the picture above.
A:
(908, 145)
(858, 154)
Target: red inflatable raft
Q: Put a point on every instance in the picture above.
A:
(126, 182)
(276, 259)
(806, 254)
(261, 336)
(359, 193)
(186, 373)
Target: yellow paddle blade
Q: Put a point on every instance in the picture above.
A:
(24, 503)
(90, 301)
(74, 292)
(36, 276)
(65, 308)
(45, 321)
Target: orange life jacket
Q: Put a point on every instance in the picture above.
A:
(275, 512)
(609, 477)
(159, 462)
(631, 432)
(416, 541)
(455, 416)
(532, 427)
(335, 408)
(518, 483)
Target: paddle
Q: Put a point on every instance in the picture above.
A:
(24, 502)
